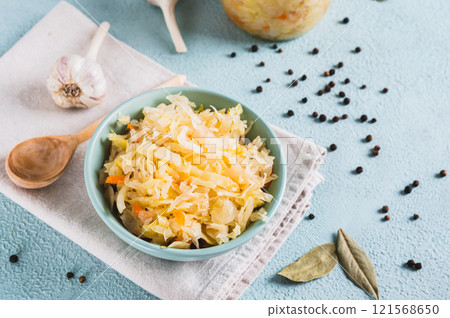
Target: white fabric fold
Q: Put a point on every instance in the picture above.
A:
(28, 111)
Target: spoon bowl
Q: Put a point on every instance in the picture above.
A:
(38, 162)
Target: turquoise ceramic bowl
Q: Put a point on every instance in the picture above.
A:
(98, 151)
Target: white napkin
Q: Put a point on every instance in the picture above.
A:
(28, 111)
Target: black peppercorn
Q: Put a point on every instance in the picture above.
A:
(415, 183)
(415, 216)
(363, 118)
(274, 46)
(13, 258)
(346, 101)
(373, 120)
(418, 266)
(345, 20)
(280, 51)
(233, 54)
(375, 152)
(290, 72)
(294, 83)
(304, 77)
(268, 80)
(320, 93)
(377, 147)
(340, 64)
(385, 209)
(332, 72)
(346, 81)
(331, 84)
(359, 170)
(322, 118)
(411, 263)
(290, 113)
(341, 94)
(311, 216)
(262, 63)
(387, 217)
(315, 51)
(363, 87)
(369, 138)
(70, 275)
(385, 90)
(442, 173)
(335, 119)
(82, 279)
(315, 114)
(333, 147)
(327, 89)
(407, 190)
(345, 116)
(357, 49)
(254, 48)
(304, 100)
(259, 89)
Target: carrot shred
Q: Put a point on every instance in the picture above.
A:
(129, 126)
(265, 27)
(115, 179)
(137, 208)
(284, 16)
(179, 217)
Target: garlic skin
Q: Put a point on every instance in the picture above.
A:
(75, 81)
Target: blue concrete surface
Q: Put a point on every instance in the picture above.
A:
(405, 45)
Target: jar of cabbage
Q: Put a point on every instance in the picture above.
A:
(276, 19)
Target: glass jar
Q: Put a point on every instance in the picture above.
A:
(276, 19)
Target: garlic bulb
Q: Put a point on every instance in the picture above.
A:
(76, 81)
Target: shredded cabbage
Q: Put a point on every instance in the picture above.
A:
(185, 177)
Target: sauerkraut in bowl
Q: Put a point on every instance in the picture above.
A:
(103, 195)
(185, 176)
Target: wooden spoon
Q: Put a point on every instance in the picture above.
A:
(38, 162)
(168, 9)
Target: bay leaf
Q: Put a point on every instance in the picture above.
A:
(356, 264)
(317, 263)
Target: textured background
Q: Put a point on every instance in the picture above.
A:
(405, 46)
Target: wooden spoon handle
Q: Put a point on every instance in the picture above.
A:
(87, 132)
(177, 80)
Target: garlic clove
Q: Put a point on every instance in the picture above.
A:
(76, 81)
